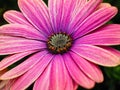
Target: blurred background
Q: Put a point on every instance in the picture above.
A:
(111, 75)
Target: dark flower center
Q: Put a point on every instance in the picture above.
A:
(59, 43)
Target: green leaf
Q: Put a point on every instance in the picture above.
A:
(113, 72)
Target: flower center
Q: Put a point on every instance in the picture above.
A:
(59, 43)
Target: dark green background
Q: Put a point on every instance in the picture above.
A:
(111, 75)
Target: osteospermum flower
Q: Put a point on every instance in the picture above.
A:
(64, 44)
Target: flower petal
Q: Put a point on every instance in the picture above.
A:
(22, 45)
(43, 82)
(61, 12)
(83, 13)
(3, 71)
(36, 13)
(102, 36)
(112, 50)
(55, 11)
(82, 80)
(70, 85)
(20, 30)
(9, 84)
(6, 38)
(24, 66)
(97, 55)
(95, 20)
(6, 84)
(13, 16)
(14, 58)
(90, 69)
(75, 85)
(78, 6)
(67, 10)
(58, 77)
(102, 5)
(29, 77)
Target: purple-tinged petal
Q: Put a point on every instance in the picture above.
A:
(60, 13)
(74, 71)
(9, 60)
(58, 75)
(96, 55)
(55, 12)
(90, 69)
(24, 66)
(21, 31)
(67, 11)
(29, 77)
(36, 13)
(95, 20)
(107, 35)
(43, 82)
(83, 13)
(13, 16)
(41, 8)
(22, 45)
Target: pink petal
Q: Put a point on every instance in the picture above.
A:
(16, 46)
(103, 36)
(29, 77)
(97, 55)
(20, 30)
(83, 13)
(95, 20)
(67, 10)
(13, 16)
(112, 50)
(58, 77)
(36, 13)
(13, 58)
(92, 71)
(55, 11)
(6, 38)
(70, 85)
(78, 6)
(75, 86)
(60, 13)
(102, 5)
(74, 71)
(24, 66)
(43, 82)
(41, 8)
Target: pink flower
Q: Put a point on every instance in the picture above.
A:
(64, 44)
